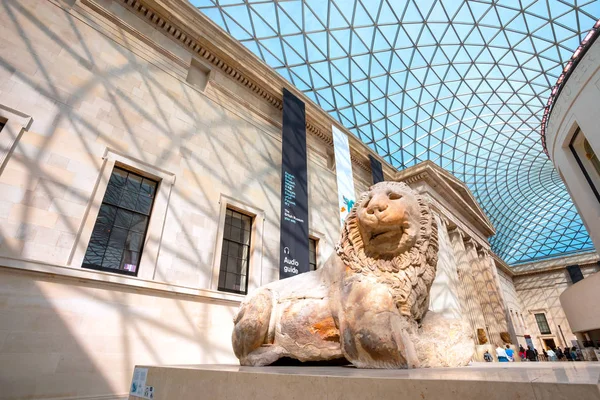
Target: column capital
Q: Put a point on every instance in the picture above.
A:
(443, 219)
(470, 242)
(456, 231)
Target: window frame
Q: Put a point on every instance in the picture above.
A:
(316, 240)
(573, 147)
(15, 124)
(543, 314)
(225, 289)
(145, 234)
(320, 247)
(152, 241)
(255, 265)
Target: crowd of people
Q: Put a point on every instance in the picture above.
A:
(531, 354)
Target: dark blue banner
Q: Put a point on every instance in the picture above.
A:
(376, 170)
(294, 189)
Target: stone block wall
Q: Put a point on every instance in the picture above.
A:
(63, 338)
(83, 84)
(539, 292)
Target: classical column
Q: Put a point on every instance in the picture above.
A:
(444, 294)
(497, 320)
(469, 303)
(458, 253)
(495, 291)
(482, 293)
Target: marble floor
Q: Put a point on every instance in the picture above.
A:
(489, 381)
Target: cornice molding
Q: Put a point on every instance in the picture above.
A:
(547, 270)
(555, 263)
(168, 27)
(169, 17)
(416, 178)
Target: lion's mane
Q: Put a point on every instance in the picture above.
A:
(409, 274)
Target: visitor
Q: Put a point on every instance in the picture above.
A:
(530, 354)
(559, 354)
(574, 353)
(537, 358)
(510, 353)
(545, 355)
(567, 352)
(551, 355)
(487, 357)
(522, 353)
(580, 355)
(501, 354)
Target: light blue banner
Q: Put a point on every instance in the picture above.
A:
(343, 169)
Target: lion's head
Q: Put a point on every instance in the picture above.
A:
(388, 220)
(390, 233)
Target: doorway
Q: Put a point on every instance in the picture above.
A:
(549, 343)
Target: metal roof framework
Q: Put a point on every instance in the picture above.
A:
(460, 83)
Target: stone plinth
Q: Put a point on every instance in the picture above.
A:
(549, 380)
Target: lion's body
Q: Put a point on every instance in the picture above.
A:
(303, 301)
(363, 304)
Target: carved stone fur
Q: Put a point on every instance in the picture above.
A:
(416, 266)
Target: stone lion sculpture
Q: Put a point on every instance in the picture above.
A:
(367, 304)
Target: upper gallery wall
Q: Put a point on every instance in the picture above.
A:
(461, 83)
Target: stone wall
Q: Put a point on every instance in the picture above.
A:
(88, 85)
(63, 338)
(535, 288)
(539, 292)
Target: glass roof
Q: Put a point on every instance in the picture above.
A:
(461, 83)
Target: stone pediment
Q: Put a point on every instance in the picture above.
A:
(449, 192)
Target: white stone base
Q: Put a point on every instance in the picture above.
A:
(489, 381)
